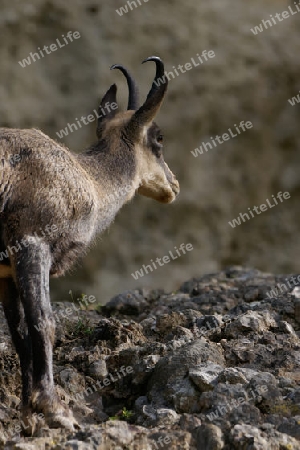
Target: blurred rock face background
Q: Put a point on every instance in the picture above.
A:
(251, 78)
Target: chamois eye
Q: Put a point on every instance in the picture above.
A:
(160, 138)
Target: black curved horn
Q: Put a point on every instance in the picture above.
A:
(160, 78)
(146, 113)
(133, 100)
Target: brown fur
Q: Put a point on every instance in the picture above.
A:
(52, 205)
(5, 271)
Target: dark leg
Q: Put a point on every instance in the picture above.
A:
(14, 313)
(32, 266)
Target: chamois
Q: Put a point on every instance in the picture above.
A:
(69, 195)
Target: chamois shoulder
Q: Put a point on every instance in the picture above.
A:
(28, 142)
(32, 151)
(52, 177)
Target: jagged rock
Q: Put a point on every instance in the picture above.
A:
(250, 321)
(169, 383)
(205, 376)
(129, 303)
(243, 436)
(158, 379)
(234, 375)
(209, 437)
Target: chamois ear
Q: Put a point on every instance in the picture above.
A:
(108, 107)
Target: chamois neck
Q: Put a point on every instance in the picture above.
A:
(113, 172)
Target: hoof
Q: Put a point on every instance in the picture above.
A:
(56, 413)
(62, 420)
(30, 421)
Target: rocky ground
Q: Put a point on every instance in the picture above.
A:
(212, 366)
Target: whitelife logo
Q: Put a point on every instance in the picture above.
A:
(48, 49)
(225, 136)
(259, 209)
(122, 372)
(279, 17)
(162, 261)
(205, 56)
(49, 230)
(132, 5)
(221, 410)
(284, 287)
(71, 127)
(292, 101)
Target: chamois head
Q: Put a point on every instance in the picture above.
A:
(135, 130)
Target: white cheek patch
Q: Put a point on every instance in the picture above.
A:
(145, 132)
(144, 136)
(152, 172)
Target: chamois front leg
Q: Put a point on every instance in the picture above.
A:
(32, 266)
(15, 317)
